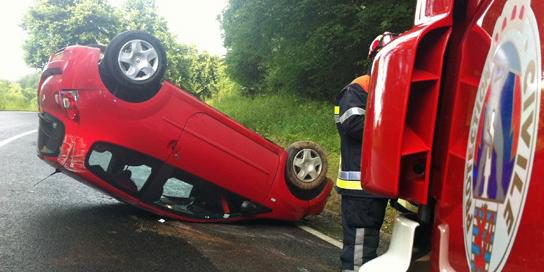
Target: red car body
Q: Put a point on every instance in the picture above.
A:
(173, 128)
(463, 88)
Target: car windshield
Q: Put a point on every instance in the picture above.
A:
(164, 186)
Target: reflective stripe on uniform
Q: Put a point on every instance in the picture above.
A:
(349, 180)
(350, 175)
(348, 184)
(358, 249)
(336, 110)
(350, 112)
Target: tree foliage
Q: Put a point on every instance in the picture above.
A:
(19, 95)
(309, 47)
(54, 24)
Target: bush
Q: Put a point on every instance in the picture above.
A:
(14, 97)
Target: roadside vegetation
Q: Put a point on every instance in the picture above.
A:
(20, 95)
(309, 48)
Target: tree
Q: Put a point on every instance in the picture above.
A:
(308, 47)
(205, 75)
(30, 81)
(4, 86)
(53, 24)
(246, 42)
(195, 71)
(12, 97)
(29, 86)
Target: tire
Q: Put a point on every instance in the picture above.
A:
(306, 166)
(133, 66)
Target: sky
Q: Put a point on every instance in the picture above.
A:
(192, 21)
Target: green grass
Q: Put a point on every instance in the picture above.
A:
(285, 119)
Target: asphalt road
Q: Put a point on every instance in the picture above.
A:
(63, 225)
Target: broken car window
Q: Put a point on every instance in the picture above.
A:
(124, 169)
(164, 186)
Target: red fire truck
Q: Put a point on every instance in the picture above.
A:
(463, 89)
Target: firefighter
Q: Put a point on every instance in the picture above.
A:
(362, 212)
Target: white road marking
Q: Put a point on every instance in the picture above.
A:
(9, 140)
(321, 236)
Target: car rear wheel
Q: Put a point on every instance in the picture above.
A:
(133, 66)
(306, 167)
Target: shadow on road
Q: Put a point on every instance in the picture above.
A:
(106, 238)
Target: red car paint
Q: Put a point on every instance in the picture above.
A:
(173, 127)
(461, 85)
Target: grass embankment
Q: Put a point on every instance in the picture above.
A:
(285, 119)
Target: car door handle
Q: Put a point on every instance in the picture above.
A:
(172, 145)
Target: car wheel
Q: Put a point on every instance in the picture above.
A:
(133, 66)
(306, 167)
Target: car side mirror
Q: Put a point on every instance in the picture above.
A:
(248, 208)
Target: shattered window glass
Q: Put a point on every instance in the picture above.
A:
(123, 168)
(139, 175)
(101, 159)
(177, 188)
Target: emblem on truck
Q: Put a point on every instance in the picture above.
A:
(502, 139)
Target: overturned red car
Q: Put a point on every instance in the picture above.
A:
(109, 120)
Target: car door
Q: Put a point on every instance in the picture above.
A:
(222, 152)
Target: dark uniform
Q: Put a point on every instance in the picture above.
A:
(362, 212)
